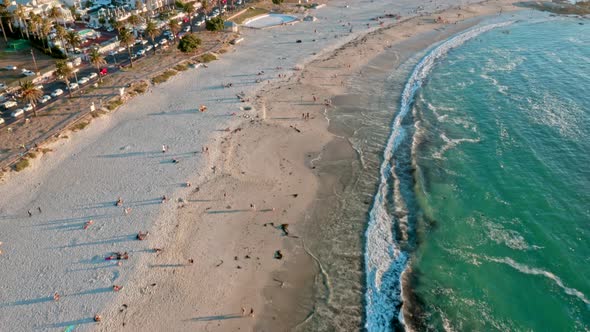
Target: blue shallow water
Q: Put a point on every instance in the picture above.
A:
(484, 197)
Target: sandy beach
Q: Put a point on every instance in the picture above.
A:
(249, 173)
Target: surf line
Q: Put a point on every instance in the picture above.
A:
(385, 262)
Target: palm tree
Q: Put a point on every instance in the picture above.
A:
(98, 60)
(127, 39)
(73, 38)
(61, 34)
(64, 72)
(134, 20)
(3, 14)
(7, 15)
(152, 31)
(30, 94)
(45, 29)
(189, 9)
(22, 20)
(174, 27)
(34, 24)
(117, 25)
(204, 4)
(55, 14)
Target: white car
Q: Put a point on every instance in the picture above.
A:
(28, 73)
(148, 48)
(140, 52)
(57, 92)
(1, 121)
(163, 42)
(83, 80)
(39, 86)
(143, 42)
(10, 67)
(45, 99)
(121, 49)
(17, 113)
(9, 104)
(186, 29)
(92, 76)
(113, 52)
(73, 86)
(28, 107)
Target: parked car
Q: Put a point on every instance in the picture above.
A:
(143, 42)
(39, 86)
(1, 121)
(57, 92)
(121, 49)
(2, 86)
(186, 28)
(171, 37)
(45, 99)
(92, 76)
(28, 72)
(200, 21)
(10, 67)
(140, 52)
(9, 104)
(17, 113)
(83, 80)
(73, 86)
(113, 52)
(28, 108)
(163, 42)
(148, 48)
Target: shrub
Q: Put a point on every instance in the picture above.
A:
(164, 76)
(277, 2)
(114, 103)
(80, 126)
(181, 67)
(31, 155)
(208, 57)
(189, 43)
(21, 164)
(214, 24)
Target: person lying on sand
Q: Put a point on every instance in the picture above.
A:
(118, 256)
(119, 202)
(56, 296)
(202, 108)
(88, 224)
(141, 236)
(117, 288)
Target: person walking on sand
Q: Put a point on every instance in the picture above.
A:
(243, 311)
(163, 148)
(252, 312)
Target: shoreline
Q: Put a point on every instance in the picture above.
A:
(288, 287)
(268, 163)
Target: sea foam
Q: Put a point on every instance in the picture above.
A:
(384, 260)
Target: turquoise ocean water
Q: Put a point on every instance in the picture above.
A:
(481, 220)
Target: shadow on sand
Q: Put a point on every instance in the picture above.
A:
(212, 318)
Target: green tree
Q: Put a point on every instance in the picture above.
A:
(30, 94)
(134, 20)
(61, 34)
(277, 2)
(73, 39)
(189, 43)
(152, 31)
(64, 72)
(97, 60)
(127, 40)
(214, 24)
(204, 5)
(22, 20)
(55, 14)
(45, 29)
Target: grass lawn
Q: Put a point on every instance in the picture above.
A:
(251, 12)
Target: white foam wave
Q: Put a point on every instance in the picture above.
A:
(535, 271)
(451, 143)
(384, 261)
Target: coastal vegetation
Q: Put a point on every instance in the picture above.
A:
(250, 12)
(30, 93)
(65, 72)
(189, 43)
(214, 24)
(163, 77)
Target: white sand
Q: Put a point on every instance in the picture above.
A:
(120, 156)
